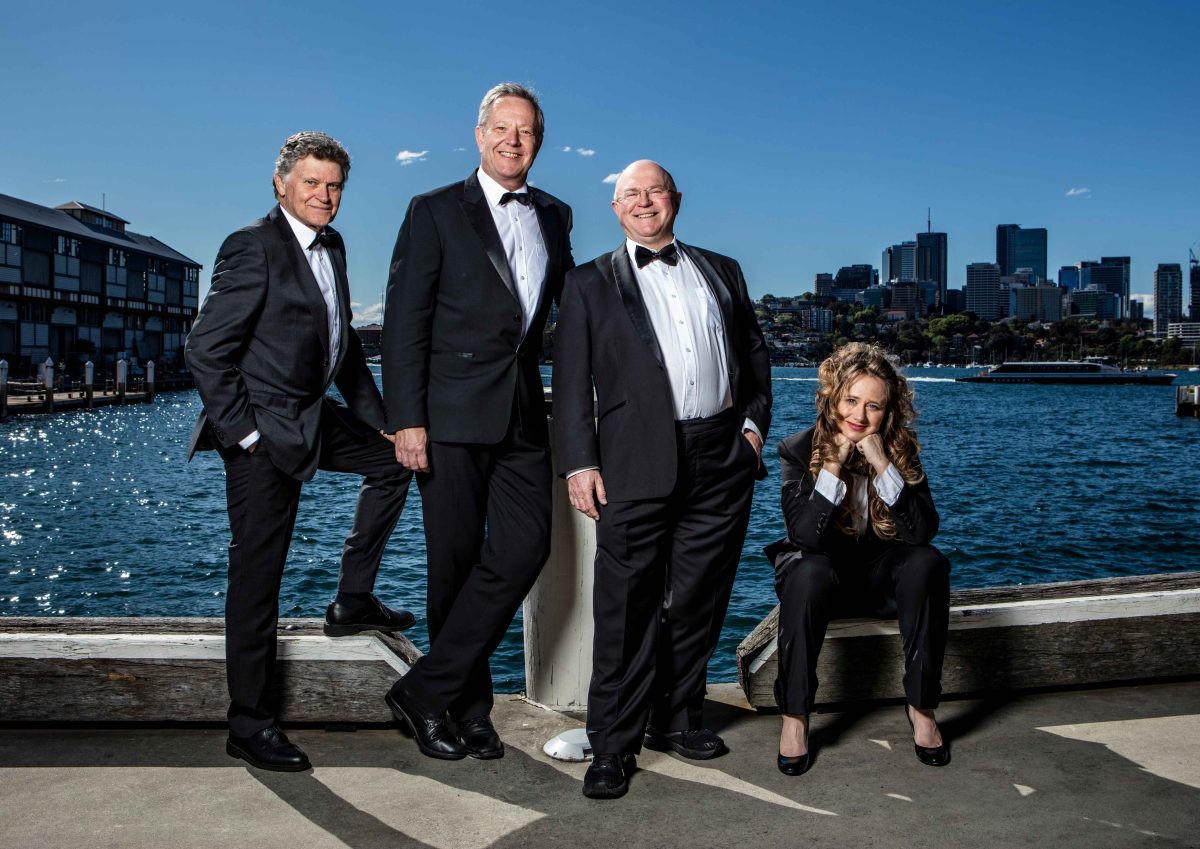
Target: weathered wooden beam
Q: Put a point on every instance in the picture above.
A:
(1008, 638)
(160, 669)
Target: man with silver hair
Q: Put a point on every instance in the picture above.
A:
(475, 268)
(272, 337)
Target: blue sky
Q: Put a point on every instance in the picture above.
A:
(803, 136)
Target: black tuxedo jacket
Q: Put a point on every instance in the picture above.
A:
(604, 337)
(809, 516)
(259, 350)
(455, 359)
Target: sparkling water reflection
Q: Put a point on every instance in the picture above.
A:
(100, 515)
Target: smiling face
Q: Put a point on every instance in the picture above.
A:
(646, 204)
(862, 407)
(312, 191)
(508, 142)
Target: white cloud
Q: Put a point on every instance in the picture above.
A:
(1147, 299)
(585, 151)
(56, 180)
(566, 149)
(611, 178)
(459, 149)
(1073, 193)
(408, 157)
(367, 315)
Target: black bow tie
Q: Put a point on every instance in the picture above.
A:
(522, 198)
(326, 239)
(644, 256)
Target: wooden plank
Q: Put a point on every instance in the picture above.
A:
(1007, 638)
(131, 670)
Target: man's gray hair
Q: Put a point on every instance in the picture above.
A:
(512, 90)
(309, 143)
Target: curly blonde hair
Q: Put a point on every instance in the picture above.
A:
(846, 365)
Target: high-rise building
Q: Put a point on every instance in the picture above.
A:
(931, 260)
(899, 263)
(1110, 274)
(823, 285)
(1168, 296)
(1194, 285)
(984, 296)
(1040, 302)
(854, 277)
(1021, 247)
(1068, 277)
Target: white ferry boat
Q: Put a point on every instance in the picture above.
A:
(1091, 371)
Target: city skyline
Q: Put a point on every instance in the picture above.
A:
(794, 155)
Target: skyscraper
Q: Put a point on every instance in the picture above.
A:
(899, 263)
(1110, 274)
(984, 296)
(931, 260)
(1194, 284)
(1168, 296)
(1021, 247)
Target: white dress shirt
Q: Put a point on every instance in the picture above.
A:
(888, 485)
(521, 235)
(322, 269)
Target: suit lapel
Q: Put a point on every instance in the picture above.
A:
(547, 215)
(475, 205)
(303, 275)
(631, 297)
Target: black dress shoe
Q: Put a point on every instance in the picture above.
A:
(268, 749)
(342, 620)
(698, 744)
(935, 756)
(479, 737)
(433, 737)
(608, 776)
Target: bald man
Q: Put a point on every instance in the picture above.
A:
(665, 463)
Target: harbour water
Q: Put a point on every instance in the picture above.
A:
(100, 515)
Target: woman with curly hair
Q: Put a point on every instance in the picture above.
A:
(859, 518)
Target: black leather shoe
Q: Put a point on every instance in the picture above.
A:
(342, 620)
(480, 739)
(935, 756)
(433, 737)
(698, 744)
(268, 749)
(608, 776)
(798, 764)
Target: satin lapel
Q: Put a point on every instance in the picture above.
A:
(345, 313)
(302, 273)
(547, 215)
(631, 297)
(474, 204)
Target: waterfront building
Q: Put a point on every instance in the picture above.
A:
(1168, 296)
(983, 294)
(1110, 274)
(76, 285)
(371, 336)
(899, 263)
(931, 260)
(1194, 286)
(1187, 332)
(1040, 302)
(1093, 302)
(855, 277)
(1021, 247)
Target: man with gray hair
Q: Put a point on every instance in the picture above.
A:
(476, 266)
(272, 337)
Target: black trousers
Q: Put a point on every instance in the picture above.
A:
(487, 532)
(664, 573)
(262, 504)
(909, 582)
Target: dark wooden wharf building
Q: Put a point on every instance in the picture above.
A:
(76, 285)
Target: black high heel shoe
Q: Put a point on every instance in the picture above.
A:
(935, 756)
(799, 764)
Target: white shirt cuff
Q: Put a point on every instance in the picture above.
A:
(574, 472)
(749, 425)
(249, 440)
(889, 484)
(831, 486)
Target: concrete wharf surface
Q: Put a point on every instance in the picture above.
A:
(1112, 767)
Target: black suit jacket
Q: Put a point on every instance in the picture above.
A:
(259, 350)
(455, 359)
(604, 337)
(809, 515)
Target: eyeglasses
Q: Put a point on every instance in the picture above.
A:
(654, 193)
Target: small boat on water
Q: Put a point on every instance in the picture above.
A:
(1093, 370)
